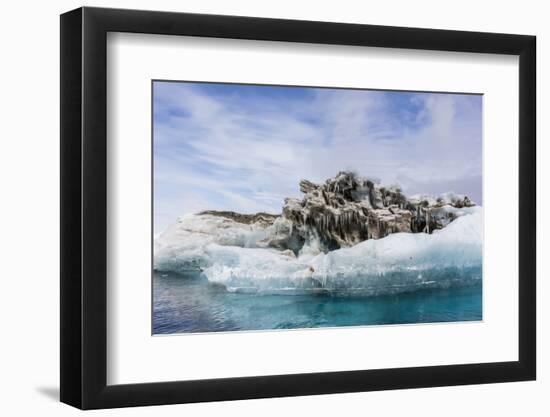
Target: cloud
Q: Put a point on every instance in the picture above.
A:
(245, 148)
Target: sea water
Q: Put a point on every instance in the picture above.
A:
(189, 303)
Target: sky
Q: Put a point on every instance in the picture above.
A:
(246, 147)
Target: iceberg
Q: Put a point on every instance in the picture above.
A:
(264, 253)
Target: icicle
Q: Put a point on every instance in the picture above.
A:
(428, 221)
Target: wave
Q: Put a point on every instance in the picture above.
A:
(232, 257)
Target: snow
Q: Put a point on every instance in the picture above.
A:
(182, 245)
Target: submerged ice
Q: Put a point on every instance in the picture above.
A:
(348, 235)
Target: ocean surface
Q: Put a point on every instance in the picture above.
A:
(188, 303)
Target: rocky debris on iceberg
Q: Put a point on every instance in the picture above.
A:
(260, 219)
(349, 209)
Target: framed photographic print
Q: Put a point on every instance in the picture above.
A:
(258, 207)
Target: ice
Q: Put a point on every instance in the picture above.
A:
(232, 257)
(182, 245)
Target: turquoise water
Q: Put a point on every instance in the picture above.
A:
(189, 304)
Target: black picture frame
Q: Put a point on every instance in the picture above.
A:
(84, 207)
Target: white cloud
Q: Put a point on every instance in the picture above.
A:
(247, 152)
